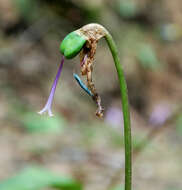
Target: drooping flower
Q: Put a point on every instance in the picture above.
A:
(83, 41)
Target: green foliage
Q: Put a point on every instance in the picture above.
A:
(36, 178)
(127, 8)
(147, 56)
(34, 123)
(72, 44)
(28, 9)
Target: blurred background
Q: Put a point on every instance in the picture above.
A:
(75, 150)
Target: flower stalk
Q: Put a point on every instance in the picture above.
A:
(126, 112)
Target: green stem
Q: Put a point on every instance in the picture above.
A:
(126, 112)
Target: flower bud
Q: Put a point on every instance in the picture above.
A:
(72, 44)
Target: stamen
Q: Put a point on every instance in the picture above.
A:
(82, 85)
(48, 105)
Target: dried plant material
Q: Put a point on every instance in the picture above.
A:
(92, 32)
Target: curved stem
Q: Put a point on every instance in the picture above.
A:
(126, 112)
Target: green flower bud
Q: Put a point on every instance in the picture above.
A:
(72, 44)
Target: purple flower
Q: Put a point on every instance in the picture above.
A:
(160, 114)
(48, 105)
(114, 116)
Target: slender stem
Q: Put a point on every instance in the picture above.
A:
(126, 112)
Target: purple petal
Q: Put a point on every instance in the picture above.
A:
(83, 61)
(48, 105)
